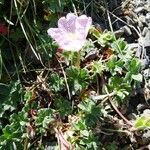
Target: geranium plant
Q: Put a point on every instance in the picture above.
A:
(71, 34)
(75, 105)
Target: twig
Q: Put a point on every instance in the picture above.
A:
(23, 29)
(65, 78)
(62, 142)
(131, 26)
(112, 130)
(102, 97)
(25, 144)
(109, 20)
(116, 109)
(34, 142)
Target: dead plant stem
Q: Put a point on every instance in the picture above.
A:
(116, 109)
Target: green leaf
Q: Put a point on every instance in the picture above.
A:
(137, 77)
(106, 38)
(118, 84)
(94, 32)
(115, 66)
(60, 104)
(11, 96)
(56, 83)
(120, 94)
(44, 118)
(97, 67)
(91, 112)
(84, 133)
(142, 123)
(134, 66)
(28, 95)
(119, 46)
(86, 105)
(80, 125)
(77, 79)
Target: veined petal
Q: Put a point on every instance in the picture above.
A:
(83, 24)
(71, 16)
(68, 23)
(54, 32)
(84, 21)
(57, 34)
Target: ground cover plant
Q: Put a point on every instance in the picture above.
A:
(68, 83)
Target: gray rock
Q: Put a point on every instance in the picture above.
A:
(147, 39)
(50, 146)
(147, 134)
(139, 9)
(147, 17)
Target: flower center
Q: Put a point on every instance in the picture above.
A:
(72, 36)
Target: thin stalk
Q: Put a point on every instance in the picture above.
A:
(23, 29)
(67, 86)
(116, 109)
(77, 64)
(113, 130)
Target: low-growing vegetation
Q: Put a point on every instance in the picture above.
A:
(66, 83)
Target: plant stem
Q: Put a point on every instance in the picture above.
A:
(77, 63)
(113, 130)
(116, 109)
(119, 113)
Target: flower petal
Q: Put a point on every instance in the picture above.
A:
(70, 45)
(68, 23)
(57, 34)
(53, 31)
(83, 24)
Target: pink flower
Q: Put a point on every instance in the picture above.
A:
(71, 32)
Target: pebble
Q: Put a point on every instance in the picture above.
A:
(127, 30)
(145, 30)
(142, 18)
(147, 17)
(146, 112)
(146, 73)
(147, 134)
(139, 9)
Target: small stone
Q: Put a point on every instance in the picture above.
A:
(139, 9)
(145, 30)
(146, 112)
(147, 17)
(146, 73)
(147, 39)
(147, 134)
(144, 63)
(127, 30)
(142, 18)
(140, 107)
